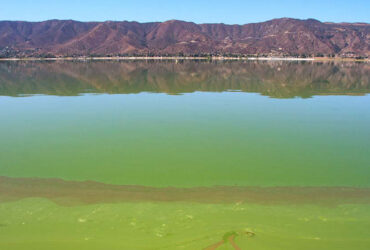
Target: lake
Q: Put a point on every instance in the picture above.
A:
(184, 155)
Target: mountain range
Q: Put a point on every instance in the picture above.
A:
(277, 37)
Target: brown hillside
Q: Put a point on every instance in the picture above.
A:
(283, 36)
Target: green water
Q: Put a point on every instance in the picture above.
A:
(184, 125)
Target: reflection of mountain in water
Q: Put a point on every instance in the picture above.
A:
(274, 79)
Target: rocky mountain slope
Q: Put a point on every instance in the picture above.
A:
(283, 36)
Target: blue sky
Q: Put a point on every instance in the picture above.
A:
(199, 11)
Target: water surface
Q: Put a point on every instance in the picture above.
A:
(165, 155)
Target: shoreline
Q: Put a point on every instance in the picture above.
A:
(129, 58)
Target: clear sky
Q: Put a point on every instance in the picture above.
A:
(199, 11)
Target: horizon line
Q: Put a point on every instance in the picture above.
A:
(169, 20)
